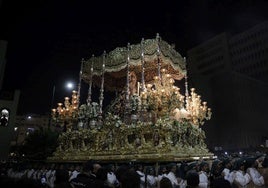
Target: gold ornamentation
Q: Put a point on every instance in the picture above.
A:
(160, 123)
(67, 113)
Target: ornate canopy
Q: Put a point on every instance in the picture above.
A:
(153, 121)
(155, 52)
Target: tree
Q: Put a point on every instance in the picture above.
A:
(39, 145)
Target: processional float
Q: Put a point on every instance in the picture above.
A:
(150, 119)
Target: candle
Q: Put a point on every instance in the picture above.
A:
(138, 91)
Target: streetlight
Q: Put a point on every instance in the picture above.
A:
(69, 85)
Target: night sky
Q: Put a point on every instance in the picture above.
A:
(48, 39)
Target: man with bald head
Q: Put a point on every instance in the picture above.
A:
(87, 177)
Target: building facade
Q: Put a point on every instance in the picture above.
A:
(9, 101)
(26, 124)
(8, 108)
(231, 72)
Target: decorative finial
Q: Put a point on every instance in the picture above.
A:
(158, 56)
(142, 65)
(128, 59)
(80, 79)
(90, 82)
(101, 98)
(186, 80)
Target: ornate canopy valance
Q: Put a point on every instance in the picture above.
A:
(152, 51)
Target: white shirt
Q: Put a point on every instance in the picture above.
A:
(111, 178)
(73, 174)
(229, 176)
(30, 173)
(142, 178)
(171, 176)
(241, 179)
(256, 177)
(50, 177)
(203, 179)
(160, 176)
(151, 181)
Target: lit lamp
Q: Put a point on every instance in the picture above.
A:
(68, 112)
(165, 99)
(198, 110)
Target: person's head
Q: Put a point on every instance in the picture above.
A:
(130, 179)
(227, 163)
(182, 170)
(217, 168)
(165, 183)
(259, 161)
(251, 162)
(265, 162)
(162, 169)
(240, 164)
(132, 76)
(101, 174)
(87, 167)
(172, 167)
(193, 166)
(77, 167)
(139, 167)
(71, 167)
(91, 167)
(150, 170)
(52, 166)
(120, 172)
(96, 167)
(62, 176)
(110, 168)
(204, 166)
(192, 178)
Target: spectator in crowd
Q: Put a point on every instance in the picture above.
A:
(165, 183)
(111, 177)
(88, 175)
(162, 172)
(101, 179)
(192, 179)
(203, 174)
(139, 170)
(264, 170)
(241, 178)
(130, 179)
(172, 168)
(74, 172)
(150, 177)
(257, 179)
(120, 172)
(217, 178)
(62, 179)
(227, 170)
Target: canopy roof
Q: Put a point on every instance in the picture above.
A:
(155, 51)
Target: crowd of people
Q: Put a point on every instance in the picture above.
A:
(232, 171)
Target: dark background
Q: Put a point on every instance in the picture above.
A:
(48, 39)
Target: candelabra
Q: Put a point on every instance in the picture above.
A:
(165, 99)
(66, 112)
(197, 109)
(162, 96)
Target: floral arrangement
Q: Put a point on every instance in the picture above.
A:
(135, 103)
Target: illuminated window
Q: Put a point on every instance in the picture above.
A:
(4, 118)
